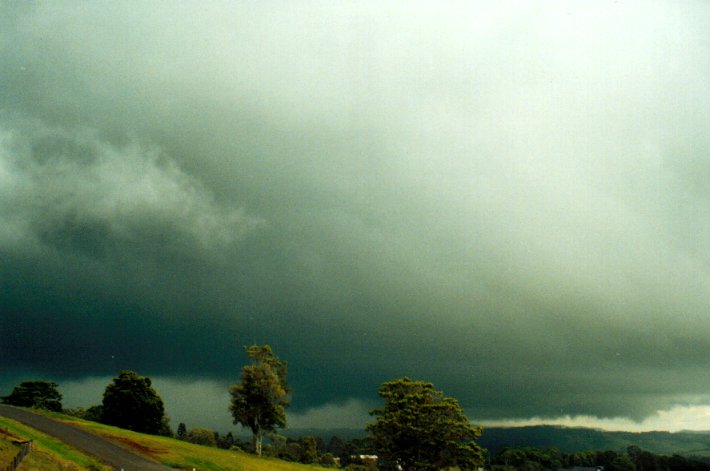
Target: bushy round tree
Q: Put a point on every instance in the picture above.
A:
(131, 403)
(201, 436)
(421, 429)
(36, 394)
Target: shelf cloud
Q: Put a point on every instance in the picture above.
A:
(510, 202)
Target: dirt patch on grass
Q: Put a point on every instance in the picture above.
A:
(10, 436)
(153, 452)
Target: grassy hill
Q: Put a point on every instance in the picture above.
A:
(50, 454)
(47, 454)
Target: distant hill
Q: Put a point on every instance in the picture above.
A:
(571, 439)
(565, 439)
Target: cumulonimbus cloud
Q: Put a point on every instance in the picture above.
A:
(70, 190)
(509, 202)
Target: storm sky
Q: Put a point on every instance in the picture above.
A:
(510, 200)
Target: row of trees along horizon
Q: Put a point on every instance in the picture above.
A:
(418, 428)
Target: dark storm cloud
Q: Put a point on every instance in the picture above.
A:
(512, 204)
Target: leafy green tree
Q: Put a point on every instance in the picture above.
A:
(530, 458)
(621, 463)
(78, 412)
(225, 441)
(309, 449)
(327, 460)
(181, 431)
(421, 429)
(165, 429)
(335, 445)
(647, 461)
(289, 450)
(259, 401)
(241, 445)
(36, 394)
(201, 436)
(94, 413)
(130, 402)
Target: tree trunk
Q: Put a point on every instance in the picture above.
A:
(259, 438)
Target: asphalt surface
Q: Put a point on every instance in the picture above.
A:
(91, 444)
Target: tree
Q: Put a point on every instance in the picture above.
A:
(225, 441)
(165, 429)
(36, 394)
(530, 458)
(131, 403)
(93, 413)
(622, 463)
(260, 400)
(181, 431)
(335, 445)
(201, 436)
(309, 449)
(327, 460)
(421, 429)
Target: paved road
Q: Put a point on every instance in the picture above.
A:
(91, 444)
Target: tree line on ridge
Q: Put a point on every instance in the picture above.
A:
(418, 427)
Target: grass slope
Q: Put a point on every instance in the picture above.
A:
(8, 447)
(179, 454)
(48, 453)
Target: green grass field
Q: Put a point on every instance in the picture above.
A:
(168, 451)
(8, 448)
(48, 453)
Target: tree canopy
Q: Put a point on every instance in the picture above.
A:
(37, 394)
(131, 403)
(201, 436)
(421, 429)
(635, 459)
(259, 401)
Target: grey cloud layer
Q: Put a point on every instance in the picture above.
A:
(513, 204)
